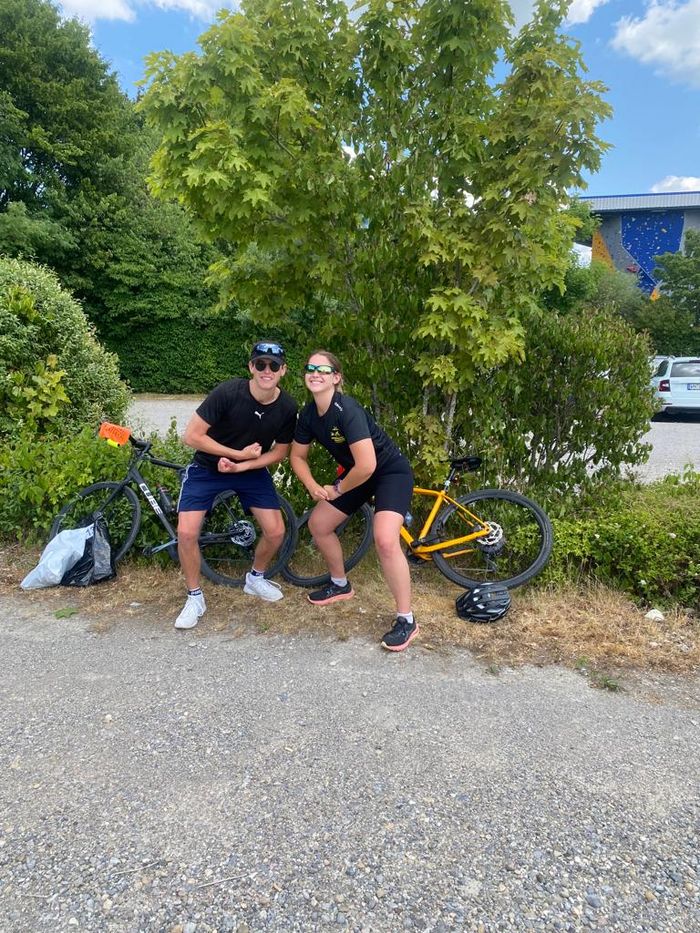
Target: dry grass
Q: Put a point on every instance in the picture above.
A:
(587, 626)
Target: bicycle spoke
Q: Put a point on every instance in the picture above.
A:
(230, 536)
(516, 543)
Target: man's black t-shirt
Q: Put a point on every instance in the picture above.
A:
(345, 422)
(237, 419)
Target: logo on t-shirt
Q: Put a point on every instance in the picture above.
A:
(336, 436)
(260, 414)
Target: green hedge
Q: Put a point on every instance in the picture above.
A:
(187, 355)
(642, 539)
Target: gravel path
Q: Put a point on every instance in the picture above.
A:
(675, 443)
(164, 781)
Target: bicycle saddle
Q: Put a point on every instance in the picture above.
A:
(469, 464)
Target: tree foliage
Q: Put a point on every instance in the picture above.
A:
(673, 321)
(680, 276)
(573, 413)
(54, 375)
(375, 179)
(73, 196)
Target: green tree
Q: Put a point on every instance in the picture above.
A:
(680, 280)
(673, 321)
(573, 413)
(598, 286)
(372, 181)
(680, 277)
(69, 122)
(54, 375)
(73, 196)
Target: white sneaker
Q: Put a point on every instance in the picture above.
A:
(193, 610)
(265, 589)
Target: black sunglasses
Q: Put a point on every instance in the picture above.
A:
(325, 369)
(274, 348)
(262, 365)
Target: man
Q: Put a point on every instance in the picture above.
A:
(243, 427)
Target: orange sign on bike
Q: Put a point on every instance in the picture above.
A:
(115, 434)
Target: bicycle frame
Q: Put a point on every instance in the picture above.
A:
(134, 476)
(425, 545)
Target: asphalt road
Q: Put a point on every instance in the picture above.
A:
(162, 781)
(675, 443)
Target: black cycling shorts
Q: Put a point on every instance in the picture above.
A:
(392, 489)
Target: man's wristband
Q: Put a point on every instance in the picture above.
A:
(336, 486)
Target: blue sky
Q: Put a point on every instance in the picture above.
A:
(646, 51)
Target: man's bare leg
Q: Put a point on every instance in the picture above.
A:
(189, 524)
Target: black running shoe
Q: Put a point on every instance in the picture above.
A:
(401, 635)
(331, 594)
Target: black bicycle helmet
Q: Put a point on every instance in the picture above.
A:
(484, 603)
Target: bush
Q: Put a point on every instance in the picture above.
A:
(53, 372)
(671, 330)
(41, 474)
(571, 414)
(643, 539)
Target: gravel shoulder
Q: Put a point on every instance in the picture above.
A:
(156, 780)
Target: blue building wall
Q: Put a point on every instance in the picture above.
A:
(631, 238)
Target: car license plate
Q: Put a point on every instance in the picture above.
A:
(694, 387)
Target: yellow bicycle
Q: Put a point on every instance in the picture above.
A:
(486, 536)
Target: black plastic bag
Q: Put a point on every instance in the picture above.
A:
(97, 562)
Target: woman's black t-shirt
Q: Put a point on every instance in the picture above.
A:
(237, 419)
(345, 422)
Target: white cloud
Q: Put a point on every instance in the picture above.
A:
(677, 183)
(581, 11)
(92, 10)
(522, 11)
(667, 36)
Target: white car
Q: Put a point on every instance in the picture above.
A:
(677, 383)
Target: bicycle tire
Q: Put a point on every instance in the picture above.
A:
(123, 514)
(525, 546)
(227, 562)
(355, 534)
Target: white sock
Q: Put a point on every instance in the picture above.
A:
(339, 581)
(408, 616)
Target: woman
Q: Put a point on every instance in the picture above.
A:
(372, 466)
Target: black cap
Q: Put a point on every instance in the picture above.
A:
(268, 350)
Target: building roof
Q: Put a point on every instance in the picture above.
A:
(614, 203)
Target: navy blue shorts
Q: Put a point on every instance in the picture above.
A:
(201, 486)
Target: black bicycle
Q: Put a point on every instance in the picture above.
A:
(228, 537)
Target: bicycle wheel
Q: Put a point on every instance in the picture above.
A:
(306, 566)
(515, 550)
(229, 537)
(119, 506)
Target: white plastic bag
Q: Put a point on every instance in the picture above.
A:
(59, 555)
